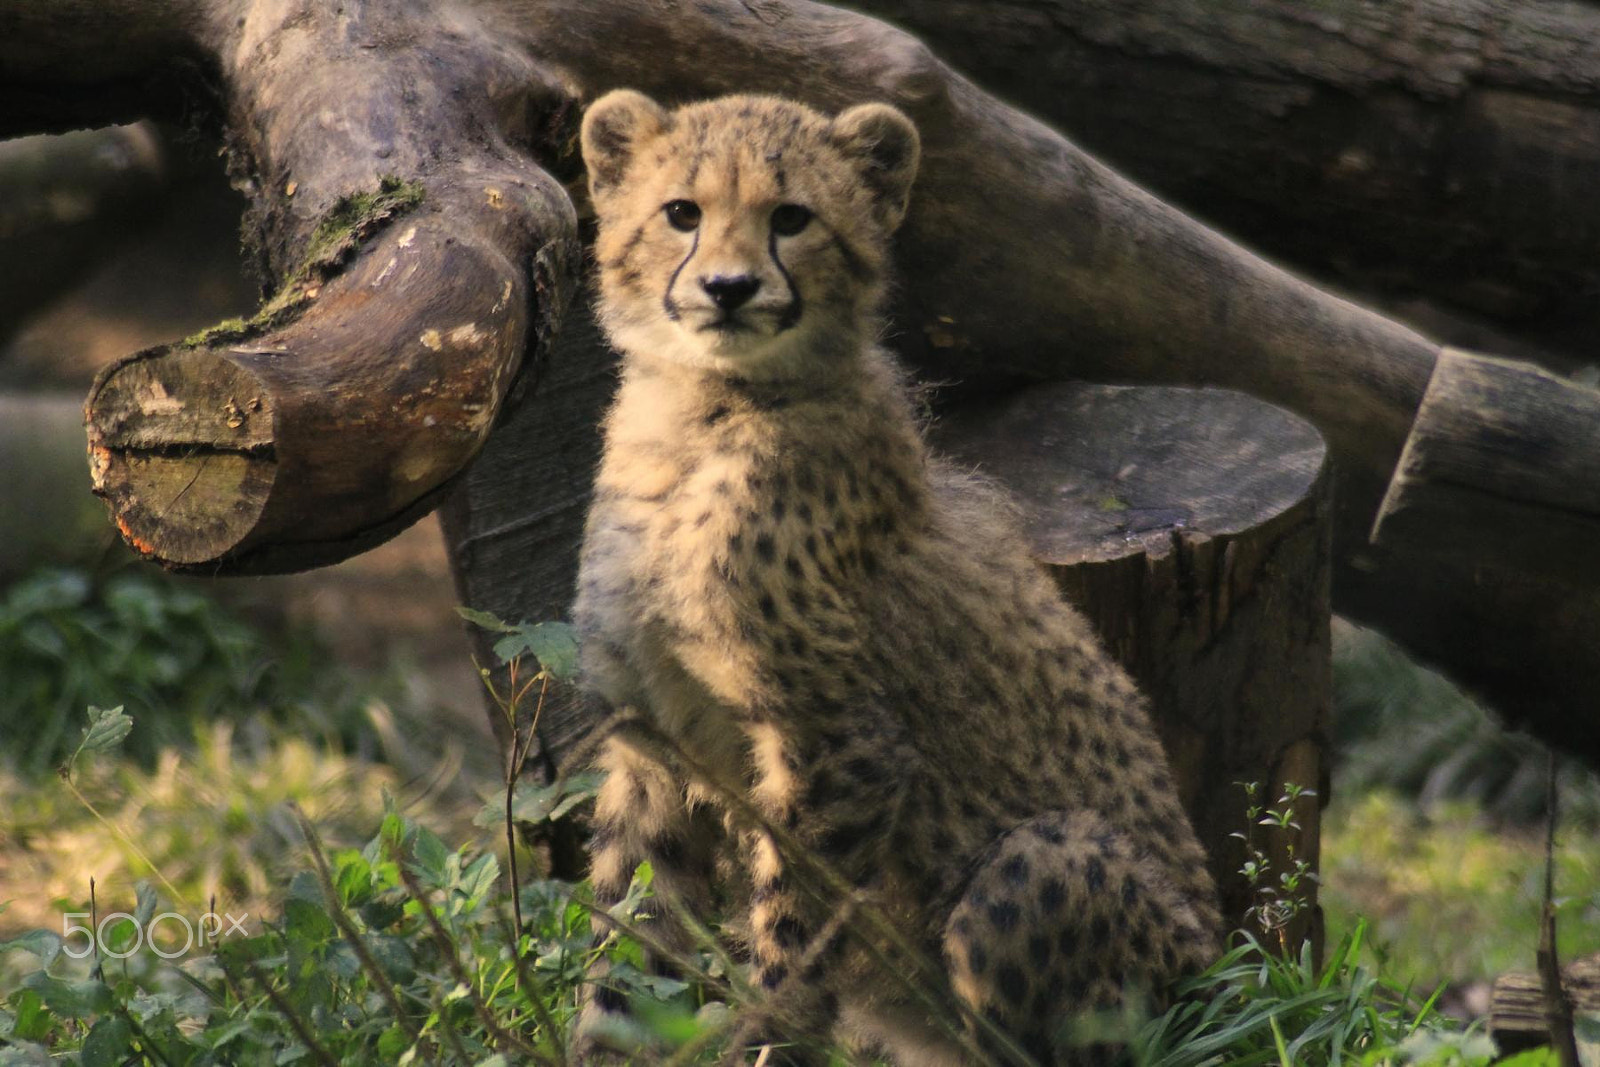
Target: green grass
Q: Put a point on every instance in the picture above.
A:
(402, 951)
(1447, 894)
(1435, 833)
(212, 820)
(379, 911)
(1255, 1007)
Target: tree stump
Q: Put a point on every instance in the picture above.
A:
(1192, 526)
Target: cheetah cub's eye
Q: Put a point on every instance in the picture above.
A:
(789, 219)
(683, 214)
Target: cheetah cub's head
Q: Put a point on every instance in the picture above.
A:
(746, 235)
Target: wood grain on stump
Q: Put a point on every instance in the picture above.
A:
(1192, 526)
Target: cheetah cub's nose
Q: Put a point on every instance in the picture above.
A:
(730, 292)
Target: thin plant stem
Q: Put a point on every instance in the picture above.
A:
(447, 950)
(296, 1023)
(66, 776)
(1557, 1005)
(514, 772)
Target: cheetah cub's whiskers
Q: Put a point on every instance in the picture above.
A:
(850, 632)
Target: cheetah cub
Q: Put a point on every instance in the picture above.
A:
(841, 629)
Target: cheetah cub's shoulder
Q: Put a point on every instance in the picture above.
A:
(837, 629)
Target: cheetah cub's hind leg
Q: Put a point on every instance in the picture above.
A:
(1061, 915)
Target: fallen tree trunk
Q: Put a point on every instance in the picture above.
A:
(1443, 147)
(1150, 293)
(1022, 258)
(1467, 488)
(335, 417)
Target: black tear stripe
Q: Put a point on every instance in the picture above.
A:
(791, 314)
(666, 297)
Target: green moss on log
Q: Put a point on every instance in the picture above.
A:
(342, 230)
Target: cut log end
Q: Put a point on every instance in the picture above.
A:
(1500, 470)
(181, 449)
(340, 413)
(1103, 472)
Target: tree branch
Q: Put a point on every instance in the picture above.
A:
(335, 417)
(68, 64)
(1438, 146)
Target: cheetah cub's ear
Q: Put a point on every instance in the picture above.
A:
(613, 129)
(885, 147)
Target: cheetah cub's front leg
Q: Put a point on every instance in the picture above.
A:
(641, 816)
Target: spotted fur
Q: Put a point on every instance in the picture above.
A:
(839, 627)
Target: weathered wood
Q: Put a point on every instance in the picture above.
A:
(336, 417)
(301, 443)
(1130, 287)
(1192, 527)
(515, 522)
(1497, 468)
(1517, 1011)
(70, 64)
(1444, 147)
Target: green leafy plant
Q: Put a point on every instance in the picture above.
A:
(172, 657)
(404, 951)
(1257, 1006)
(400, 952)
(413, 949)
(210, 818)
(1283, 899)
